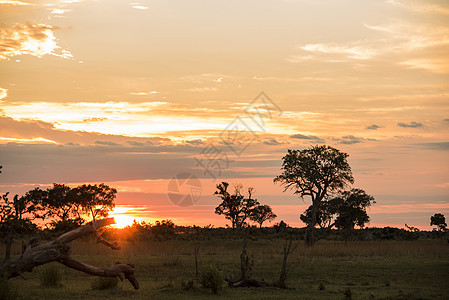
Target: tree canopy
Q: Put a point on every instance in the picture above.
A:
(319, 172)
(438, 220)
(238, 208)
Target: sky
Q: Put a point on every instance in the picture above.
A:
(163, 100)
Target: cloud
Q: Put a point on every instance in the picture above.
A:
(410, 125)
(14, 2)
(37, 40)
(373, 127)
(3, 93)
(420, 7)
(307, 137)
(139, 6)
(435, 146)
(395, 38)
(355, 50)
(106, 143)
(446, 121)
(143, 93)
(203, 89)
(29, 131)
(271, 142)
(350, 139)
(195, 142)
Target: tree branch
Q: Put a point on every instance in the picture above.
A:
(59, 250)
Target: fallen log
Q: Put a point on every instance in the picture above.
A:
(59, 251)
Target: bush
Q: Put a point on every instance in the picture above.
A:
(7, 292)
(104, 283)
(211, 278)
(50, 276)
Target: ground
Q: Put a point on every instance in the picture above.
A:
(329, 270)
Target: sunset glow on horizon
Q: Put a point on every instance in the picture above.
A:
(134, 93)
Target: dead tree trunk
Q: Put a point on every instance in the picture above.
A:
(59, 251)
(287, 249)
(246, 267)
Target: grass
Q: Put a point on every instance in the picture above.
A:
(330, 270)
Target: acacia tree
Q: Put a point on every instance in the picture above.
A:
(345, 211)
(262, 213)
(94, 200)
(438, 220)
(66, 206)
(235, 207)
(318, 173)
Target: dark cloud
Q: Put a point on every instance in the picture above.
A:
(106, 143)
(48, 163)
(435, 146)
(373, 127)
(446, 121)
(195, 142)
(271, 142)
(29, 129)
(307, 137)
(350, 139)
(410, 125)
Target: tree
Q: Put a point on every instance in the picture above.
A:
(94, 200)
(66, 206)
(344, 212)
(317, 173)
(59, 250)
(16, 217)
(438, 220)
(235, 207)
(262, 213)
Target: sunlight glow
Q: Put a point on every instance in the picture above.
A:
(123, 220)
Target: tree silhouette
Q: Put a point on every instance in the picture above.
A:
(345, 211)
(438, 220)
(317, 173)
(16, 217)
(261, 214)
(235, 207)
(67, 206)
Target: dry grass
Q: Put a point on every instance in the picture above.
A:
(379, 269)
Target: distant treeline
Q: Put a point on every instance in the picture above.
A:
(167, 230)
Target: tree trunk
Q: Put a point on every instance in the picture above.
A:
(59, 251)
(8, 245)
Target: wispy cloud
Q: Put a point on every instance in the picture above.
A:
(399, 37)
(3, 93)
(37, 40)
(14, 2)
(410, 125)
(311, 138)
(420, 7)
(143, 93)
(350, 139)
(203, 89)
(139, 6)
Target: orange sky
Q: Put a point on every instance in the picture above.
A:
(131, 92)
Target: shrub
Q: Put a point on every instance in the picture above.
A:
(211, 278)
(7, 292)
(50, 276)
(104, 283)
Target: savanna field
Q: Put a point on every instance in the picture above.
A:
(416, 269)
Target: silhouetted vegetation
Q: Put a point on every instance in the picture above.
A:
(438, 220)
(239, 209)
(321, 172)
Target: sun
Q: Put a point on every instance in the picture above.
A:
(123, 220)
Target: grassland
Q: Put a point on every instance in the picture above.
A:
(330, 270)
